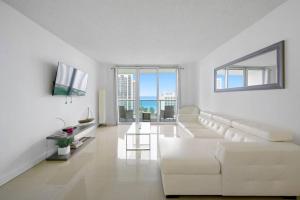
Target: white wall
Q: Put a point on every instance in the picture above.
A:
(276, 107)
(189, 86)
(28, 60)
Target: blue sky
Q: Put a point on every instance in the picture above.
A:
(167, 83)
(233, 80)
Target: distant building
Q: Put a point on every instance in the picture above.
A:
(169, 99)
(126, 90)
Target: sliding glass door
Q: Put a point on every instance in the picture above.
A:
(146, 94)
(148, 104)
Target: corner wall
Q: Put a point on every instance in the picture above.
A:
(28, 60)
(275, 107)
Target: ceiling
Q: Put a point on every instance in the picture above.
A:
(145, 31)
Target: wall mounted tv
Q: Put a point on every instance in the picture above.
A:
(70, 81)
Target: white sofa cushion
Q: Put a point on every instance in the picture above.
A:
(218, 127)
(188, 156)
(214, 125)
(192, 125)
(223, 119)
(205, 133)
(236, 135)
(188, 114)
(205, 114)
(189, 110)
(204, 121)
(187, 117)
(263, 131)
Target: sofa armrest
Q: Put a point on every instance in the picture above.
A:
(260, 168)
(187, 117)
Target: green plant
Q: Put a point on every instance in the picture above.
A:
(64, 142)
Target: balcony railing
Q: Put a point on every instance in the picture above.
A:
(149, 110)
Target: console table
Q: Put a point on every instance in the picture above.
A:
(78, 134)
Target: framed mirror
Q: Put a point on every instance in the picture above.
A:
(261, 70)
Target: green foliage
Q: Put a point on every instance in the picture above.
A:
(64, 142)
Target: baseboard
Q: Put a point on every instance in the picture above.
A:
(20, 170)
(107, 124)
(102, 125)
(172, 196)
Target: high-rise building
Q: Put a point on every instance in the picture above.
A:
(126, 90)
(168, 99)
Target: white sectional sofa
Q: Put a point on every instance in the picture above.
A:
(227, 156)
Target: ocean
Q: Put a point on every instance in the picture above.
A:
(148, 103)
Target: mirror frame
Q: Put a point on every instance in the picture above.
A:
(279, 47)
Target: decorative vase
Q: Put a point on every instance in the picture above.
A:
(64, 151)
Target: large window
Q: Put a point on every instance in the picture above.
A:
(148, 94)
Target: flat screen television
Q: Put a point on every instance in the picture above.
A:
(70, 81)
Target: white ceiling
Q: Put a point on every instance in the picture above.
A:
(145, 31)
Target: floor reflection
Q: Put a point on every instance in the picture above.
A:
(140, 141)
(147, 140)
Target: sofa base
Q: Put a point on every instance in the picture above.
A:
(175, 184)
(172, 196)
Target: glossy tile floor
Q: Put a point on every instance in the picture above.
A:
(102, 170)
